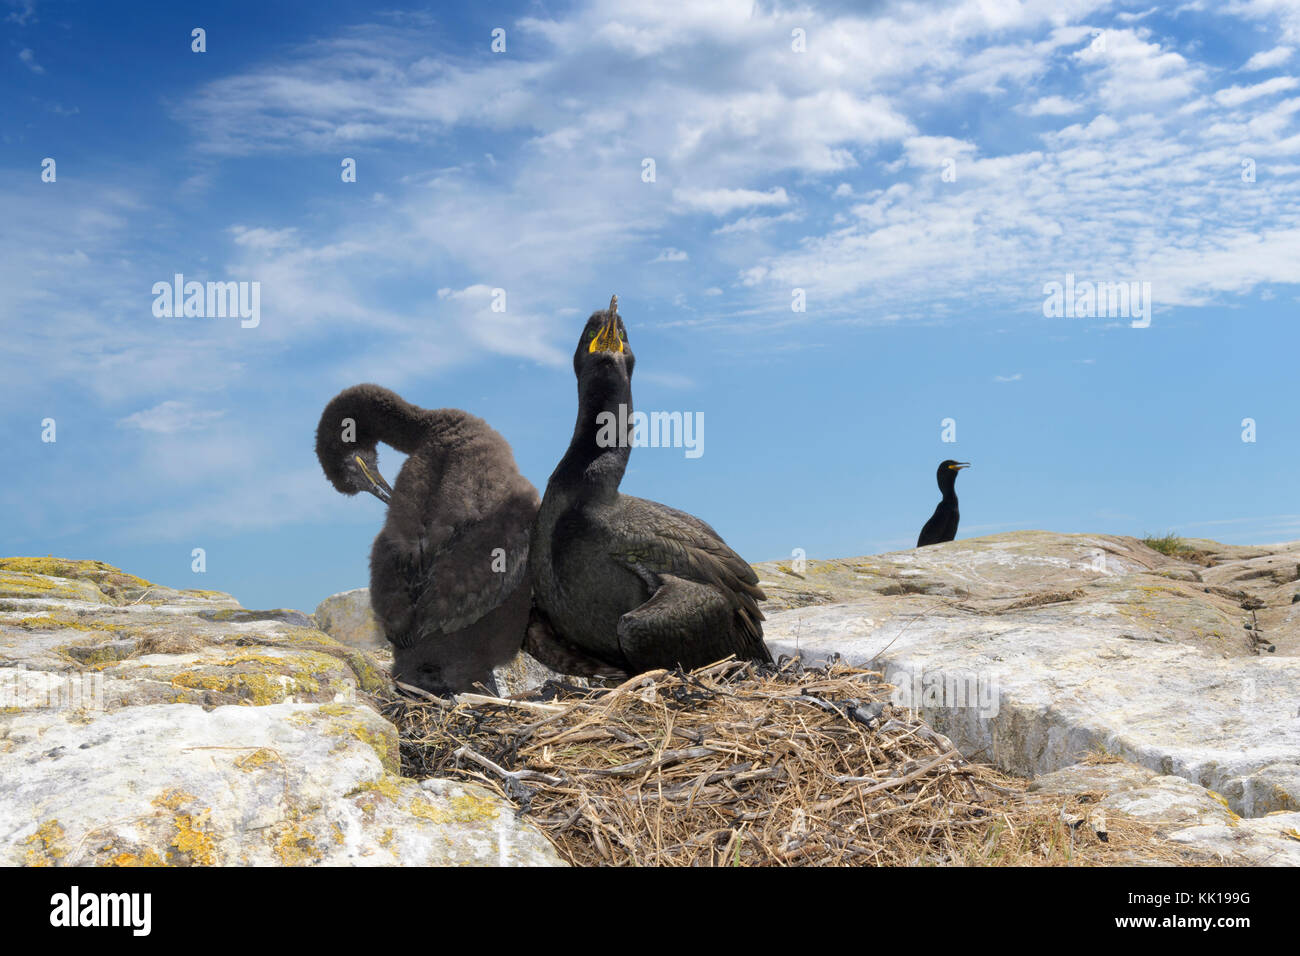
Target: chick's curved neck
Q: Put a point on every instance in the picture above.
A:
(597, 456)
(390, 419)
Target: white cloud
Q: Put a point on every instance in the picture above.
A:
(1136, 74)
(512, 331)
(722, 201)
(1236, 95)
(741, 129)
(170, 417)
(755, 223)
(24, 11)
(28, 59)
(1052, 106)
(1008, 378)
(1267, 59)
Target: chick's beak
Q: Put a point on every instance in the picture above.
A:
(608, 338)
(378, 486)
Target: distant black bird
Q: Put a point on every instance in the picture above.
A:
(448, 571)
(942, 525)
(620, 584)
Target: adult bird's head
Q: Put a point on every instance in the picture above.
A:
(948, 473)
(603, 347)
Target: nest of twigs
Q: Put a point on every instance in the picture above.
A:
(735, 764)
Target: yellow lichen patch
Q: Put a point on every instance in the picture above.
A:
(146, 858)
(305, 667)
(371, 677)
(44, 846)
(61, 622)
(292, 635)
(337, 710)
(172, 799)
(191, 839)
(343, 720)
(69, 568)
(1233, 818)
(256, 689)
(382, 742)
(257, 759)
(465, 808)
(108, 580)
(18, 585)
(388, 785)
(294, 845)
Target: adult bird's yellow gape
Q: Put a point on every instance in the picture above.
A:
(621, 584)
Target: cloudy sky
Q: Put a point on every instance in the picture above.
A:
(915, 174)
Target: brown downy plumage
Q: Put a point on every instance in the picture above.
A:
(448, 579)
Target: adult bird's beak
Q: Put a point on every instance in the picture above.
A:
(959, 466)
(378, 486)
(608, 338)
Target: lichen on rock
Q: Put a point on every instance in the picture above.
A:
(142, 725)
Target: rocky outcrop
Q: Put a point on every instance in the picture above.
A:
(1032, 650)
(347, 618)
(145, 725)
(141, 725)
(1188, 815)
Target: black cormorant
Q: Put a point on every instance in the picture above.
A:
(448, 571)
(620, 584)
(942, 525)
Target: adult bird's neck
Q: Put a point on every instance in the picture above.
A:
(597, 456)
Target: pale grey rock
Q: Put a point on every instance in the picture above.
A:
(348, 619)
(1185, 813)
(140, 725)
(1068, 644)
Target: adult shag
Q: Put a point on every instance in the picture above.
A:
(448, 571)
(942, 525)
(620, 584)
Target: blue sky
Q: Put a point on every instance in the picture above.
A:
(1105, 140)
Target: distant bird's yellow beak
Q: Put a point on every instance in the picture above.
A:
(959, 466)
(608, 338)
